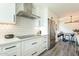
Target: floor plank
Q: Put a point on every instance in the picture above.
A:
(61, 49)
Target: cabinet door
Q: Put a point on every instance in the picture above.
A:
(36, 9)
(28, 47)
(9, 48)
(10, 54)
(7, 13)
(0, 49)
(34, 46)
(19, 7)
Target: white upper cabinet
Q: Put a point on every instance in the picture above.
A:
(36, 9)
(7, 13)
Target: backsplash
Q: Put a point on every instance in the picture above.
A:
(27, 26)
(23, 26)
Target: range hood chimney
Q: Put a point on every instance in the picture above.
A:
(25, 10)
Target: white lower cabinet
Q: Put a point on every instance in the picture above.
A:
(9, 54)
(32, 47)
(11, 49)
(31, 52)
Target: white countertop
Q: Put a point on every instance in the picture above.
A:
(4, 41)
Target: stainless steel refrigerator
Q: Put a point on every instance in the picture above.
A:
(51, 33)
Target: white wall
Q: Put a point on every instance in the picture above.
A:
(65, 28)
(68, 27)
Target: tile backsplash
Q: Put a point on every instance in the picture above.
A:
(23, 26)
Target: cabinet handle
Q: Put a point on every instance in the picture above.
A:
(14, 18)
(14, 55)
(34, 53)
(34, 43)
(10, 47)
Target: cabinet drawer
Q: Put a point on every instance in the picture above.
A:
(12, 54)
(43, 41)
(34, 47)
(9, 54)
(11, 47)
(31, 52)
(42, 48)
(30, 43)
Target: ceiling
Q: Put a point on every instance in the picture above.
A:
(64, 9)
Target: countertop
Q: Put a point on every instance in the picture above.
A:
(29, 36)
(4, 41)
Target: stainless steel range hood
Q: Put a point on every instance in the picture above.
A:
(25, 10)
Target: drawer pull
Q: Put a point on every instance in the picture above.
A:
(14, 18)
(34, 43)
(10, 47)
(34, 53)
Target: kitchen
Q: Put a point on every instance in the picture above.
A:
(23, 28)
(34, 29)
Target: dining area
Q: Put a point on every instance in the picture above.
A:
(67, 45)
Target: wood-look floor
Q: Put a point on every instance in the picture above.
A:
(62, 49)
